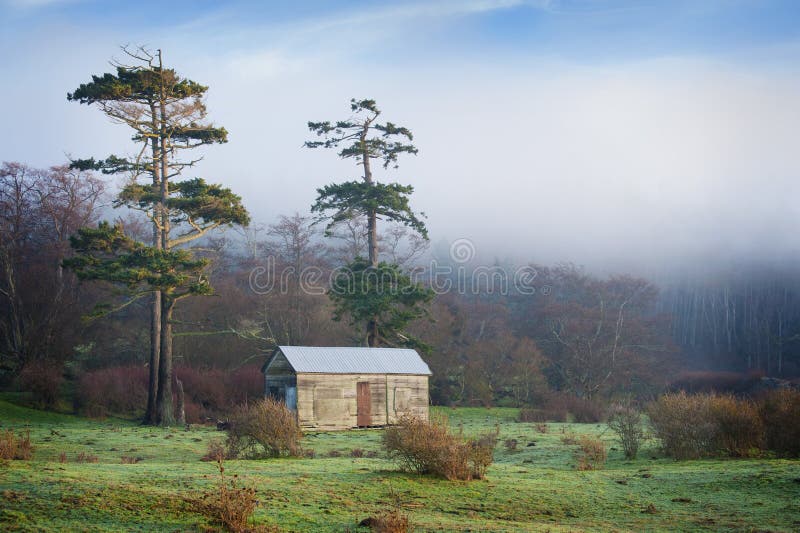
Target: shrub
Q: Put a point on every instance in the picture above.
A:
(591, 453)
(356, 453)
(626, 422)
(120, 390)
(481, 453)
(511, 444)
(84, 457)
(568, 437)
(266, 428)
(701, 425)
(684, 424)
(245, 384)
(392, 521)
(229, 505)
(428, 447)
(562, 407)
(719, 382)
(215, 452)
(739, 430)
(42, 380)
(780, 414)
(15, 446)
(130, 460)
(204, 387)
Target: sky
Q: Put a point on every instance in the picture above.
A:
(623, 135)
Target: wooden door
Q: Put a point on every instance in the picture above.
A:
(363, 404)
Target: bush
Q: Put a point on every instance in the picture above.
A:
(591, 453)
(15, 446)
(266, 428)
(245, 384)
(719, 382)
(780, 414)
(205, 388)
(229, 505)
(215, 452)
(481, 453)
(740, 432)
(210, 393)
(119, 390)
(563, 407)
(626, 422)
(85, 457)
(428, 447)
(703, 425)
(392, 521)
(684, 424)
(42, 379)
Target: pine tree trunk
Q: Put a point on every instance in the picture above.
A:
(166, 414)
(373, 340)
(151, 415)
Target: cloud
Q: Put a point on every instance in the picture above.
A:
(35, 4)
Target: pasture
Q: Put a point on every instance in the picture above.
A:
(534, 487)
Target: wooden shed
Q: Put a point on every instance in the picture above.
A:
(340, 388)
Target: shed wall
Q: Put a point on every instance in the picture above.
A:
(328, 401)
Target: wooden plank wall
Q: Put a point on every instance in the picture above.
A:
(328, 401)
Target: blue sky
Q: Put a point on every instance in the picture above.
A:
(598, 131)
(590, 30)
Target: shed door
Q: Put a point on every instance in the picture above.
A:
(291, 398)
(363, 404)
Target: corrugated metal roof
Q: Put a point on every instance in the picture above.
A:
(340, 360)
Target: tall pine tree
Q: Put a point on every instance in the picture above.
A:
(376, 293)
(167, 115)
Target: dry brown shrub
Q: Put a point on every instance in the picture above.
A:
(62, 457)
(428, 447)
(215, 452)
(740, 432)
(393, 521)
(568, 437)
(684, 424)
(15, 446)
(591, 453)
(691, 426)
(266, 428)
(780, 414)
(84, 457)
(511, 444)
(482, 452)
(563, 407)
(230, 505)
(356, 453)
(542, 427)
(130, 460)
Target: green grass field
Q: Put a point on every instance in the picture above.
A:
(535, 488)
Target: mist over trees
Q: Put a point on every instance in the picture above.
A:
(91, 306)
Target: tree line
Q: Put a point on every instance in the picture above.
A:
(78, 292)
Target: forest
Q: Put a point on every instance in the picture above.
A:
(111, 296)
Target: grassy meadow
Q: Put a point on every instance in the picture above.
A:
(533, 488)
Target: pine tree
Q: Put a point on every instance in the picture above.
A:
(378, 294)
(167, 115)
